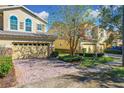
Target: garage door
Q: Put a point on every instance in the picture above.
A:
(30, 50)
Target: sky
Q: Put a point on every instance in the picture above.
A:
(46, 11)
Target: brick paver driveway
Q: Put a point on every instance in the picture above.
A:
(36, 70)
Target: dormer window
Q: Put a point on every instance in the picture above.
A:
(13, 23)
(28, 24)
(39, 27)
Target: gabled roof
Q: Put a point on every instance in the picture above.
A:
(23, 7)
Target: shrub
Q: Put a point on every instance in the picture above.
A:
(113, 51)
(54, 54)
(70, 58)
(88, 62)
(5, 65)
(91, 54)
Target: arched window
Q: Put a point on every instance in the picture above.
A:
(28, 24)
(13, 23)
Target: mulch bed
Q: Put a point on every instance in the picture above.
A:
(9, 80)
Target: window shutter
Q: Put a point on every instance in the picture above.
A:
(21, 25)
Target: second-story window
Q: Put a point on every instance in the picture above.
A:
(13, 23)
(39, 27)
(28, 24)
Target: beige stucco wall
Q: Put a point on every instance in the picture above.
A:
(21, 15)
(90, 48)
(6, 43)
(61, 44)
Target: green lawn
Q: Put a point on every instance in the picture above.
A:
(90, 61)
(117, 72)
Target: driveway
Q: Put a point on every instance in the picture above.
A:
(56, 74)
(37, 70)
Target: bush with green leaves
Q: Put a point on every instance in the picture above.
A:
(88, 62)
(5, 65)
(69, 58)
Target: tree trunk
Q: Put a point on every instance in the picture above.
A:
(96, 49)
(123, 38)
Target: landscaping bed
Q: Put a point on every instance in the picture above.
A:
(7, 72)
(88, 61)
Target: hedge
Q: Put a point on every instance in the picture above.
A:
(113, 51)
(91, 54)
(70, 58)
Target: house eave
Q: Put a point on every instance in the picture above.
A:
(10, 35)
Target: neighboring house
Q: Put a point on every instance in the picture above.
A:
(118, 39)
(24, 33)
(87, 44)
(95, 40)
(114, 39)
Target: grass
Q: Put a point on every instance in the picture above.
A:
(90, 61)
(117, 72)
(5, 65)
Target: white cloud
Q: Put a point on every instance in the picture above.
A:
(43, 15)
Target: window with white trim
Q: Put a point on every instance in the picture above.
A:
(28, 24)
(13, 23)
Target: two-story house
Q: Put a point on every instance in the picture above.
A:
(24, 32)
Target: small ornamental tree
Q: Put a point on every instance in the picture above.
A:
(69, 28)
